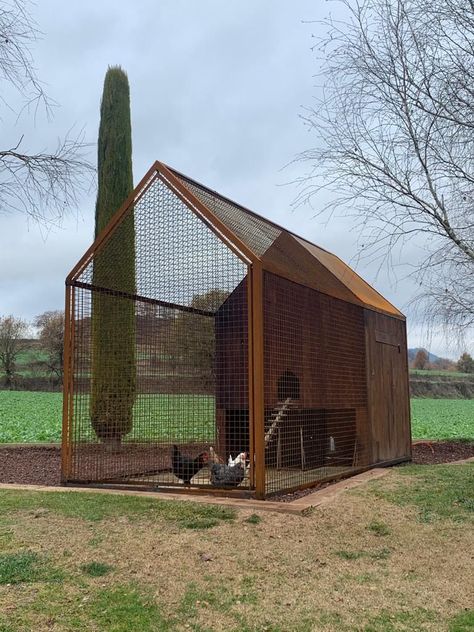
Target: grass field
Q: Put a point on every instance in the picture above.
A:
(30, 363)
(30, 417)
(93, 562)
(453, 375)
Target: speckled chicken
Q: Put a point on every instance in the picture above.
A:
(228, 476)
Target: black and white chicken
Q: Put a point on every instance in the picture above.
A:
(228, 476)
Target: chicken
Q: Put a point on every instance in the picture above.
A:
(213, 456)
(228, 476)
(185, 468)
(240, 458)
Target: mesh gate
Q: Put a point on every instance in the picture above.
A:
(147, 349)
(208, 347)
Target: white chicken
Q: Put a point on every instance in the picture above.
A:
(240, 459)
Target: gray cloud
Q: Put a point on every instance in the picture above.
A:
(216, 92)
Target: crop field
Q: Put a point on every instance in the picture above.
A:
(31, 417)
(442, 418)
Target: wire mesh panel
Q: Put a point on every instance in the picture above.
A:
(164, 376)
(315, 385)
(159, 352)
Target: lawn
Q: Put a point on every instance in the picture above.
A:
(393, 555)
(31, 417)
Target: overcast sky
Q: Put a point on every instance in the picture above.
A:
(217, 90)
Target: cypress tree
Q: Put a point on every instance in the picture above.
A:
(113, 318)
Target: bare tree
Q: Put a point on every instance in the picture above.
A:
(395, 138)
(41, 184)
(51, 335)
(12, 334)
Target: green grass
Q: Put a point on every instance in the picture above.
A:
(453, 375)
(436, 491)
(442, 418)
(124, 608)
(380, 554)
(97, 507)
(30, 363)
(379, 528)
(154, 580)
(254, 519)
(26, 567)
(390, 621)
(463, 622)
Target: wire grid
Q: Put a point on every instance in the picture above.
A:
(183, 310)
(256, 232)
(315, 385)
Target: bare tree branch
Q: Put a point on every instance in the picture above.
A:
(394, 134)
(44, 184)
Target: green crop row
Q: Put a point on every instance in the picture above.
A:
(30, 417)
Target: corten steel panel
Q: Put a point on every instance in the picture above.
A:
(231, 327)
(341, 271)
(315, 385)
(184, 275)
(287, 253)
(388, 391)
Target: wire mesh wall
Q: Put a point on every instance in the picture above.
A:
(172, 335)
(315, 385)
(159, 312)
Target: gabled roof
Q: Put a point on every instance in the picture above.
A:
(252, 237)
(285, 253)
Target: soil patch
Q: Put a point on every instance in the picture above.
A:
(41, 465)
(30, 466)
(432, 452)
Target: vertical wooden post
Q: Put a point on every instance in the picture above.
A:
(66, 447)
(404, 350)
(250, 377)
(258, 380)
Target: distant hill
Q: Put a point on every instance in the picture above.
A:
(431, 356)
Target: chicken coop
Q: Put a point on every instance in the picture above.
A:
(201, 338)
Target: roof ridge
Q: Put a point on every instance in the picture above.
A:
(244, 208)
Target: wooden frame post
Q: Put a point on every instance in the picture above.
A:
(257, 391)
(66, 444)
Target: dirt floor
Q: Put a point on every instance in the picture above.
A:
(41, 465)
